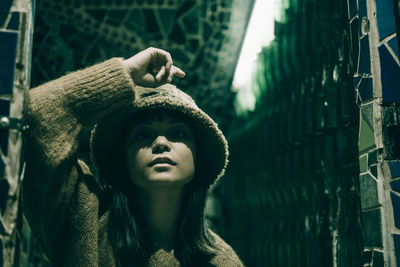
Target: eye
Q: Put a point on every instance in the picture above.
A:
(142, 134)
(179, 134)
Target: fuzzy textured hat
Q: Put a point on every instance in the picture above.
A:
(212, 147)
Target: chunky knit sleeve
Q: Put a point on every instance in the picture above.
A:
(226, 256)
(57, 113)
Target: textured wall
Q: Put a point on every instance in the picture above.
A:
(377, 83)
(16, 25)
(297, 178)
(203, 37)
(292, 189)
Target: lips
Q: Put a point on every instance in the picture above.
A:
(161, 160)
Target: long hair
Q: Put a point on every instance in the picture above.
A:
(193, 244)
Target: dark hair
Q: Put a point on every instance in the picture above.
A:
(193, 244)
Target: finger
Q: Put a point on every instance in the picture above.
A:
(148, 79)
(163, 58)
(170, 76)
(177, 72)
(155, 69)
(168, 64)
(160, 74)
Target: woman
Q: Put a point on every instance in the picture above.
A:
(155, 154)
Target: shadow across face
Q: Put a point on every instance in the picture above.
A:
(160, 150)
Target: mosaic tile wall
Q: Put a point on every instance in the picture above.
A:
(203, 37)
(292, 187)
(16, 26)
(377, 84)
(308, 195)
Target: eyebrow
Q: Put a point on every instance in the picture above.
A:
(172, 121)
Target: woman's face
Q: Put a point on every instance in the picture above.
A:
(161, 152)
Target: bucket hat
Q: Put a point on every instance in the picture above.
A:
(212, 147)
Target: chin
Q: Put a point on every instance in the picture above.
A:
(168, 177)
(163, 179)
(168, 180)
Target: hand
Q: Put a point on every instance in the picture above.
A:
(152, 67)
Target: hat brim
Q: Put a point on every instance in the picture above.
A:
(212, 147)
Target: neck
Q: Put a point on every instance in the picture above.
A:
(161, 208)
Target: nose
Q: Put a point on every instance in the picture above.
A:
(160, 145)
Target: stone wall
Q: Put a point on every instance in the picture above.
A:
(314, 178)
(297, 194)
(16, 27)
(292, 190)
(203, 37)
(377, 85)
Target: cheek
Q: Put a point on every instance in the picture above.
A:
(135, 160)
(188, 157)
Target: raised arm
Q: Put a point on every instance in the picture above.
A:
(59, 110)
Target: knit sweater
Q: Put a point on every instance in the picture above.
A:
(65, 207)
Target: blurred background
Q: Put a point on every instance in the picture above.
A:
(306, 91)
